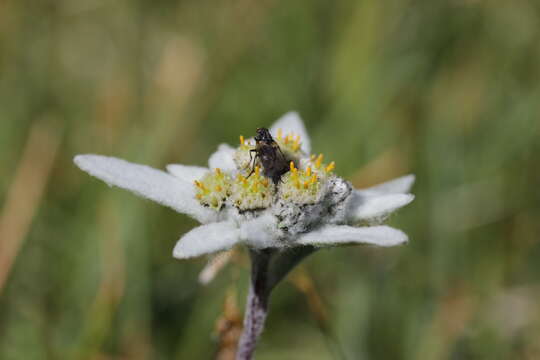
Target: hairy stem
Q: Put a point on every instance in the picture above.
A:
(256, 306)
(268, 268)
(284, 262)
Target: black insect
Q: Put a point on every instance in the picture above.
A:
(269, 155)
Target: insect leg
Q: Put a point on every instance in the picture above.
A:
(250, 152)
(254, 159)
(251, 158)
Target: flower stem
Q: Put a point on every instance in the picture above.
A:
(268, 268)
(256, 306)
(283, 262)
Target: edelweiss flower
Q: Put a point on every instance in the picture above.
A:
(310, 206)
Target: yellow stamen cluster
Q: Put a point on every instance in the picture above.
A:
(303, 187)
(244, 144)
(253, 192)
(290, 143)
(319, 166)
(213, 189)
(242, 156)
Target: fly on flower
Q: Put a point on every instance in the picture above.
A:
(269, 154)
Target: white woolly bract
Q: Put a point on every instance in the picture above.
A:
(207, 239)
(261, 232)
(187, 173)
(147, 182)
(223, 159)
(400, 185)
(343, 234)
(373, 207)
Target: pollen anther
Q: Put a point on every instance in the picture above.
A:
(319, 161)
(331, 166)
(291, 165)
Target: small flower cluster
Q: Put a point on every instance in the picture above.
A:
(242, 155)
(251, 191)
(213, 189)
(290, 143)
(301, 186)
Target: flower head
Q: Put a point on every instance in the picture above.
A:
(213, 189)
(236, 203)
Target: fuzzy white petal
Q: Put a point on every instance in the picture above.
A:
(223, 158)
(343, 234)
(207, 239)
(260, 232)
(292, 123)
(147, 182)
(400, 185)
(186, 172)
(362, 207)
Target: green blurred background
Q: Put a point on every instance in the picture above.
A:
(448, 90)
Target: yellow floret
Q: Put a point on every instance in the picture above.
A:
(242, 157)
(213, 189)
(330, 167)
(253, 192)
(290, 144)
(301, 187)
(319, 160)
(319, 167)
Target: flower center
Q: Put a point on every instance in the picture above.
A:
(253, 192)
(289, 144)
(322, 169)
(304, 185)
(213, 189)
(301, 187)
(242, 157)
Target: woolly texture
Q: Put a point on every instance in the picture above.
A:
(207, 239)
(309, 207)
(223, 159)
(147, 182)
(334, 235)
(401, 185)
(187, 173)
(379, 206)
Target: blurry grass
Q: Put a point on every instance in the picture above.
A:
(446, 90)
